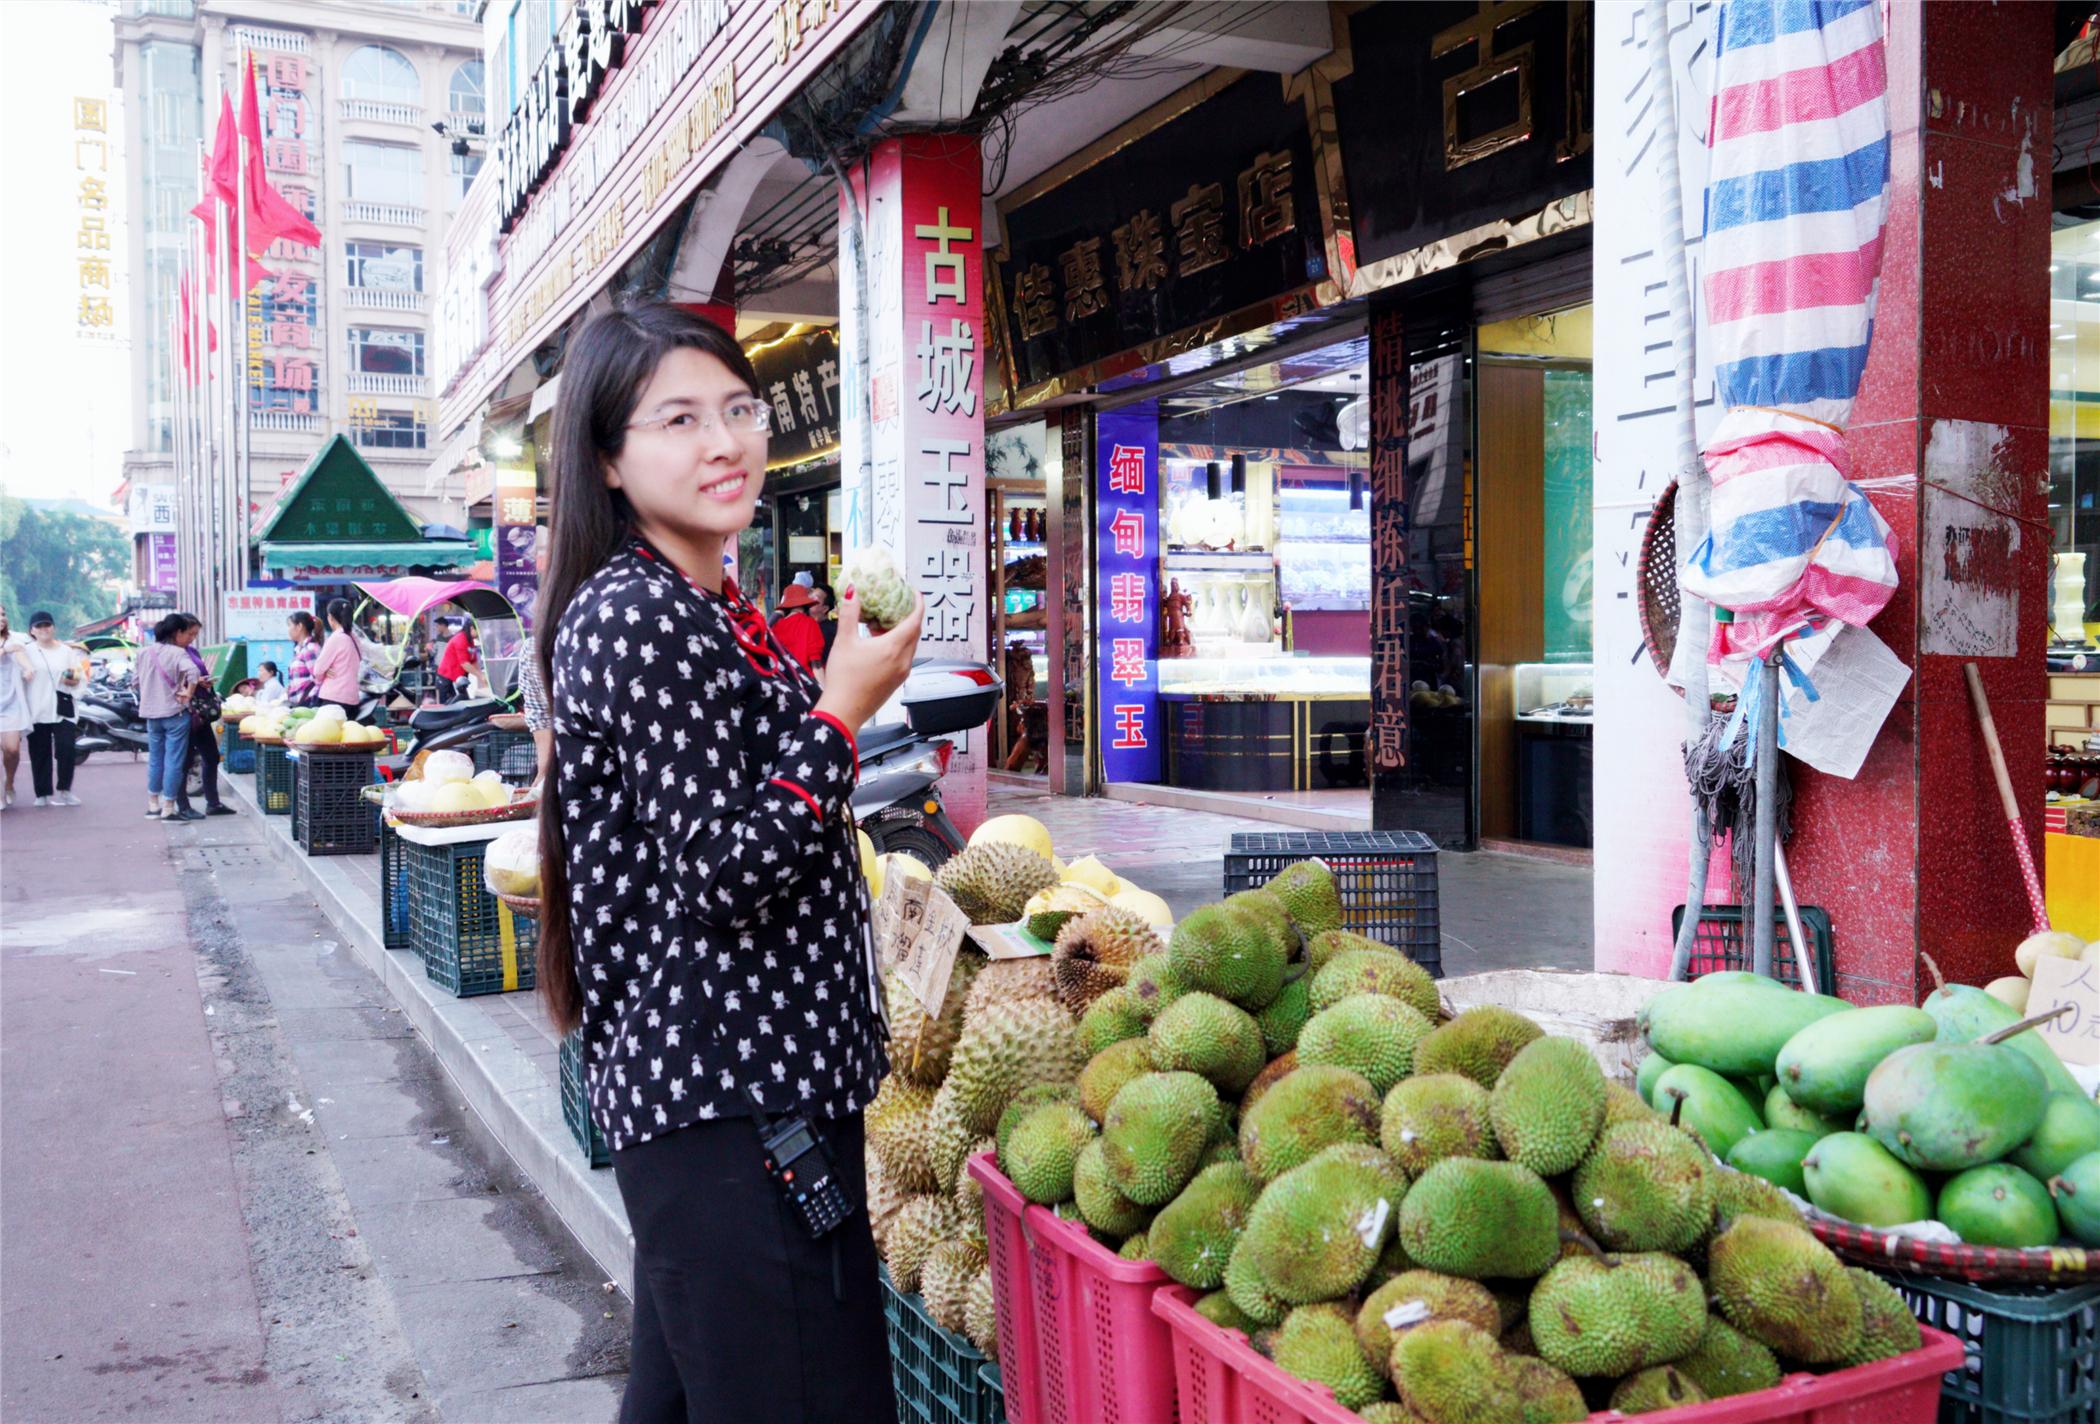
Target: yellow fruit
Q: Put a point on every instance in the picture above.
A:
(250, 725)
(495, 795)
(2012, 989)
(1015, 830)
(319, 731)
(906, 865)
(2057, 943)
(870, 866)
(1090, 872)
(455, 796)
(1145, 905)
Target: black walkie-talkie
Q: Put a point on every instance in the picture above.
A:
(801, 1168)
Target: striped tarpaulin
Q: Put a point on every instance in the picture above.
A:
(1796, 200)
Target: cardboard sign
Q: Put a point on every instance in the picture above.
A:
(2074, 987)
(1008, 942)
(918, 931)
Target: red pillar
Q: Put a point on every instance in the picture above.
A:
(1914, 856)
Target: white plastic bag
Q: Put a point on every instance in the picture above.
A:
(511, 865)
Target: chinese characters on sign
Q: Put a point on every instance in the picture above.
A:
(798, 378)
(1389, 671)
(943, 308)
(283, 309)
(1212, 214)
(517, 539)
(94, 315)
(259, 614)
(1128, 509)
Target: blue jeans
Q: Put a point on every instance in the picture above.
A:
(167, 754)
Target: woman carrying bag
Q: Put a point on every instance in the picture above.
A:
(51, 677)
(706, 921)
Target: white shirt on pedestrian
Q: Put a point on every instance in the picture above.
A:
(50, 665)
(14, 697)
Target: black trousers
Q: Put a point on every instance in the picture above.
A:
(204, 747)
(739, 1316)
(49, 741)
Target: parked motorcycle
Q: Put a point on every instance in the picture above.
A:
(904, 752)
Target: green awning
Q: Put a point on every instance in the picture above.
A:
(380, 557)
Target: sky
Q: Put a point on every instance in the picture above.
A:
(65, 398)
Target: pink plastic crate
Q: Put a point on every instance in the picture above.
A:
(1222, 1380)
(1078, 1340)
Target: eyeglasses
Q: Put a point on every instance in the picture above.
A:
(744, 416)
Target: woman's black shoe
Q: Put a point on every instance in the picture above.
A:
(222, 809)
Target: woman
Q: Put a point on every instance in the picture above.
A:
(270, 691)
(14, 706)
(336, 669)
(52, 675)
(706, 925)
(299, 691)
(458, 663)
(204, 729)
(796, 628)
(165, 678)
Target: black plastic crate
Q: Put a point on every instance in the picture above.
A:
(393, 888)
(1387, 880)
(330, 815)
(470, 943)
(575, 1102)
(1722, 942)
(236, 752)
(273, 780)
(512, 755)
(2033, 1351)
(939, 1375)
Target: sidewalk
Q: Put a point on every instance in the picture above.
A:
(1499, 911)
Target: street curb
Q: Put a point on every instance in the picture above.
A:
(518, 1104)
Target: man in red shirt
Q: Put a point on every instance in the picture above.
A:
(458, 660)
(801, 636)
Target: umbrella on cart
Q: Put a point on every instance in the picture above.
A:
(501, 634)
(1794, 557)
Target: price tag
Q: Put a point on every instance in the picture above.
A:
(918, 931)
(2071, 990)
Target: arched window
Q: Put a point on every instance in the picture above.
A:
(467, 94)
(380, 74)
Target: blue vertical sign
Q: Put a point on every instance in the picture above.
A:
(1126, 541)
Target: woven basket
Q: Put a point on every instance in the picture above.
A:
(445, 820)
(262, 741)
(338, 749)
(526, 905)
(1657, 599)
(2037, 1265)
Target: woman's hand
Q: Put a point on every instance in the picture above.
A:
(864, 671)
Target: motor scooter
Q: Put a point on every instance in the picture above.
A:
(905, 749)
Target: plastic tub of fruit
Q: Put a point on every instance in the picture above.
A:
(1078, 1340)
(1221, 1379)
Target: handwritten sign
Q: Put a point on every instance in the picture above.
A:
(918, 932)
(2071, 989)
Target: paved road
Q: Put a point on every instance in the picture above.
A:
(236, 1187)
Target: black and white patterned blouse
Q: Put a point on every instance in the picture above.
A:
(715, 895)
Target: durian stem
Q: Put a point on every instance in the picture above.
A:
(1569, 1234)
(2012, 1030)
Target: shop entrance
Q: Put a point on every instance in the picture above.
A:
(1536, 708)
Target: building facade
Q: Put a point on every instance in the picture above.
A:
(373, 117)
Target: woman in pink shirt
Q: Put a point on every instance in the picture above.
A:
(336, 669)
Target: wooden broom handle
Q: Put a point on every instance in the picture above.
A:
(1990, 743)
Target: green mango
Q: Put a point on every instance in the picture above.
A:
(1735, 1027)
(1824, 1067)
(1851, 1175)
(1947, 1107)
(1999, 1205)
(1714, 1111)
(2070, 1129)
(1965, 1013)
(2076, 1191)
(1783, 1111)
(1774, 1154)
(1652, 1067)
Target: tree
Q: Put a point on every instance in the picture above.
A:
(69, 565)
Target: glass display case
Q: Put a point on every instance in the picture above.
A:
(1553, 692)
(1266, 724)
(1266, 677)
(1232, 601)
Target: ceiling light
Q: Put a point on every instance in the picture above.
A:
(1239, 474)
(1212, 484)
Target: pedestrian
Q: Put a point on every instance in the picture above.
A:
(269, 692)
(798, 632)
(826, 614)
(51, 673)
(728, 790)
(538, 721)
(205, 708)
(458, 663)
(336, 669)
(165, 677)
(300, 689)
(14, 706)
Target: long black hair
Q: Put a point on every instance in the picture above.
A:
(602, 377)
(339, 615)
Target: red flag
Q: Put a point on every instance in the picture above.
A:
(256, 271)
(223, 177)
(270, 215)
